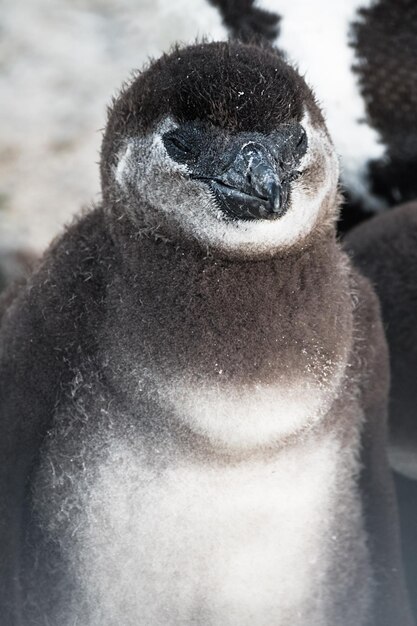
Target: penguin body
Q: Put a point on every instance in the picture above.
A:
(201, 436)
(385, 250)
(143, 518)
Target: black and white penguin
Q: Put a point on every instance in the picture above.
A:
(194, 380)
(385, 250)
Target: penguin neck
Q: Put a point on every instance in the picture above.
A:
(241, 320)
(214, 342)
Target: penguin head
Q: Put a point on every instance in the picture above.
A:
(223, 145)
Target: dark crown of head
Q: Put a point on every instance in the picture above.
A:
(232, 85)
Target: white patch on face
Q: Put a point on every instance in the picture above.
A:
(315, 36)
(250, 416)
(142, 159)
(145, 168)
(260, 542)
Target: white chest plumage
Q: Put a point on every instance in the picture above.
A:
(237, 545)
(156, 537)
(184, 542)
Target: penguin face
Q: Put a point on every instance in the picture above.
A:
(242, 166)
(248, 174)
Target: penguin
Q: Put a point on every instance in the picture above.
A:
(385, 250)
(384, 38)
(194, 380)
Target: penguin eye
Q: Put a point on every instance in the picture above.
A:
(177, 146)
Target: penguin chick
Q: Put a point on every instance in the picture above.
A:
(385, 250)
(194, 381)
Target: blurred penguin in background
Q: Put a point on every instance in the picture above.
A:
(385, 250)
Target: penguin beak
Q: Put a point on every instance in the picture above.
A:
(252, 187)
(250, 173)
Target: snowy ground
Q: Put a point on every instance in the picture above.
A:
(60, 62)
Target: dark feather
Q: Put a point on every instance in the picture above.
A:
(247, 22)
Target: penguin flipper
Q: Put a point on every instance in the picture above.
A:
(26, 406)
(47, 328)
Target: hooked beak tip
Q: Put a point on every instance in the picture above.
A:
(276, 197)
